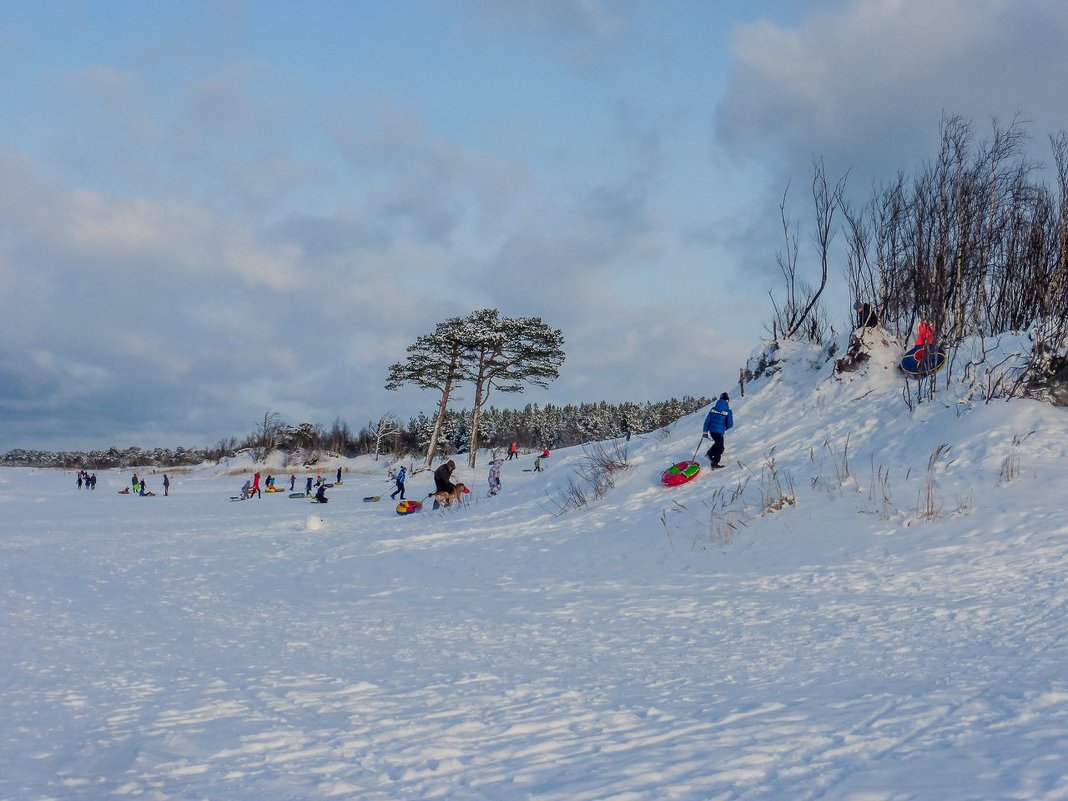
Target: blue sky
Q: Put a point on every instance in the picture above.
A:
(211, 209)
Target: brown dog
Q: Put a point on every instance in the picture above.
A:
(447, 499)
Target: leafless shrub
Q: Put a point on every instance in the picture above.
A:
(929, 505)
(879, 494)
(1010, 466)
(595, 476)
(776, 487)
(571, 497)
(839, 460)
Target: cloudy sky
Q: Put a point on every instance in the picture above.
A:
(213, 209)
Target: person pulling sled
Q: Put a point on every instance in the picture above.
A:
(719, 421)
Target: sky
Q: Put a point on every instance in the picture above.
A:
(212, 210)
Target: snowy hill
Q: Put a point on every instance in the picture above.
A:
(868, 603)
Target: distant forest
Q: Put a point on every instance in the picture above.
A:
(533, 426)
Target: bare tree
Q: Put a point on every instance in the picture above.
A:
(387, 426)
(800, 314)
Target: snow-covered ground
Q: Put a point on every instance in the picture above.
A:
(897, 632)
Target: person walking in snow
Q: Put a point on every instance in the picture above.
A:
(720, 419)
(292, 481)
(495, 476)
(338, 475)
(308, 486)
(513, 452)
(166, 485)
(256, 486)
(399, 478)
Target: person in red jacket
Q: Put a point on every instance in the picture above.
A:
(925, 334)
(256, 487)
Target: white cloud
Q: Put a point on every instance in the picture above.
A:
(869, 81)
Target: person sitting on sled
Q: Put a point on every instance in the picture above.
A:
(924, 334)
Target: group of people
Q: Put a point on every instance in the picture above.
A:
(88, 480)
(140, 487)
(252, 487)
(867, 317)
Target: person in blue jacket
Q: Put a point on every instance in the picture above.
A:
(720, 419)
(399, 479)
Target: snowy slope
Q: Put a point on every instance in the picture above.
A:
(896, 632)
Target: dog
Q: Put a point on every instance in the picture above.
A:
(447, 499)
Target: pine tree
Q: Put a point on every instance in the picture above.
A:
(435, 361)
(506, 353)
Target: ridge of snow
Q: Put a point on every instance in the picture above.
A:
(687, 643)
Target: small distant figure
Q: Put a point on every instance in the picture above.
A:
(246, 490)
(537, 465)
(545, 454)
(924, 334)
(134, 483)
(79, 479)
(339, 475)
(320, 494)
(308, 486)
(495, 476)
(399, 479)
(292, 481)
(166, 486)
(256, 486)
(513, 451)
(144, 488)
(719, 420)
(866, 315)
(625, 428)
(92, 481)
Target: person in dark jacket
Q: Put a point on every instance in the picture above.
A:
(443, 477)
(720, 419)
(308, 486)
(166, 485)
(866, 316)
(320, 494)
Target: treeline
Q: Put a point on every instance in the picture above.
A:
(548, 426)
(533, 426)
(112, 458)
